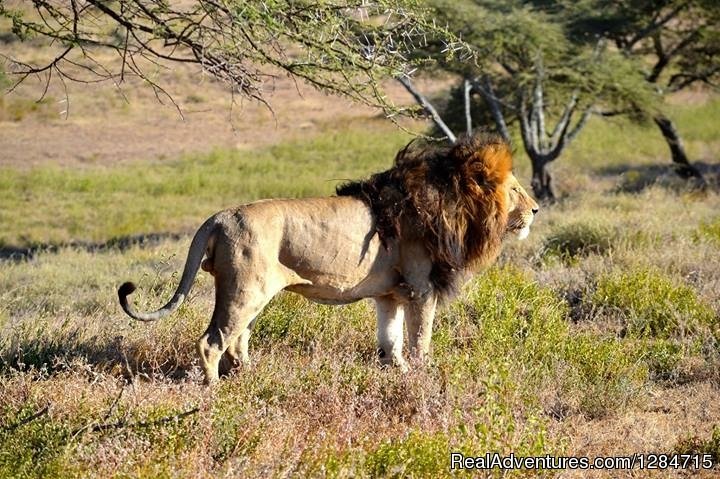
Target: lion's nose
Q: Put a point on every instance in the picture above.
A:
(535, 210)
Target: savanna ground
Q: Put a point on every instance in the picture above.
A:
(596, 336)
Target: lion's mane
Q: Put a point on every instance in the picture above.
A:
(449, 198)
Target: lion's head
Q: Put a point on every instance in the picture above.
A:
(521, 209)
(459, 200)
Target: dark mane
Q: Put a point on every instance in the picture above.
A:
(446, 196)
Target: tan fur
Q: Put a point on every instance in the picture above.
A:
(328, 250)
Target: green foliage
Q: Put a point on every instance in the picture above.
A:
(678, 41)
(652, 305)
(321, 326)
(38, 442)
(509, 316)
(531, 46)
(606, 373)
(709, 231)
(341, 47)
(695, 445)
(662, 357)
(32, 447)
(419, 455)
(578, 239)
(505, 314)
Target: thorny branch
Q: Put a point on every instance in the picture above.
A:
(345, 47)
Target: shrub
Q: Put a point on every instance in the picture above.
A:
(709, 231)
(651, 304)
(695, 445)
(33, 447)
(505, 314)
(662, 357)
(578, 239)
(601, 375)
(508, 315)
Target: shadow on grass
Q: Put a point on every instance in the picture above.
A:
(635, 179)
(118, 356)
(121, 243)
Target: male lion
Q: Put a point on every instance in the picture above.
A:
(406, 237)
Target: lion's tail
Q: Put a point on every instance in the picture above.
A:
(192, 264)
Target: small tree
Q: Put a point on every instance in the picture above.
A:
(678, 41)
(343, 47)
(532, 75)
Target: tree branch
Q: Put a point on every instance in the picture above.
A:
(564, 119)
(427, 106)
(486, 90)
(652, 27)
(525, 126)
(580, 124)
(468, 117)
(539, 104)
(324, 43)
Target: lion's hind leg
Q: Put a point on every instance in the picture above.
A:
(228, 331)
(237, 353)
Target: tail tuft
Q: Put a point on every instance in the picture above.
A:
(126, 290)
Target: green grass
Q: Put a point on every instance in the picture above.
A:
(51, 205)
(617, 142)
(709, 231)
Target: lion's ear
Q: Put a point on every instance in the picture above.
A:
(490, 163)
(486, 157)
(496, 159)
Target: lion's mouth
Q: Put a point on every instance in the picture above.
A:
(520, 229)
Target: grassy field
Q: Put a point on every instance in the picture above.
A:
(599, 335)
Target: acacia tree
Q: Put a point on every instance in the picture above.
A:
(679, 41)
(340, 46)
(531, 74)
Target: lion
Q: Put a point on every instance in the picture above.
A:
(407, 238)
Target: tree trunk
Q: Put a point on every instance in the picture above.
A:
(541, 181)
(682, 165)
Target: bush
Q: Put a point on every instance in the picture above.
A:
(578, 239)
(709, 231)
(695, 445)
(505, 314)
(662, 357)
(651, 304)
(508, 315)
(601, 375)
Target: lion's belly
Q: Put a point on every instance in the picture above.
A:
(327, 289)
(330, 243)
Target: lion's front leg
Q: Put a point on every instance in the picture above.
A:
(419, 316)
(390, 331)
